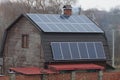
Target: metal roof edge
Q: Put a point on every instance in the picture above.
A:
(95, 23)
(26, 15)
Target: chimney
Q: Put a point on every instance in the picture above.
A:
(67, 10)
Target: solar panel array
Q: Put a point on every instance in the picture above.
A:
(77, 50)
(56, 23)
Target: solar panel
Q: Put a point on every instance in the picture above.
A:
(83, 50)
(74, 24)
(77, 50)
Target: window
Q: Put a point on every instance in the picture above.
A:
(25, 42)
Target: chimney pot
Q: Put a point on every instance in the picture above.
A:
(67, 10)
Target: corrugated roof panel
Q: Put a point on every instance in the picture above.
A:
(32, 70)
(58, 23)
(60, 67)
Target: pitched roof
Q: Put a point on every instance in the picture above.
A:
(60, 24)
(57, 24)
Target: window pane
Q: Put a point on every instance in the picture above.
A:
(25, 42)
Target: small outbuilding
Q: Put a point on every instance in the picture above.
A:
(50, 40)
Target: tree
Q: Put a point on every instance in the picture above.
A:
(11, 9)
(108, 21)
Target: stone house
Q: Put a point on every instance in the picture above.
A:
(48, 40)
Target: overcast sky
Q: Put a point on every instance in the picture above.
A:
(100, 4)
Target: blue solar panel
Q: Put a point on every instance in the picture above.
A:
(77, 50)
(74, 50)
(57, 49)
(74, 24)
(83, 50)
(35, 18)
(78, 19)
(90, 47)
(44, 18)
(45, 27)
(52, 18)
(63, 27)
(85, 19)
(99, 50)
(65, 51)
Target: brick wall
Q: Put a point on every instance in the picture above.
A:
(32, 77)
(67, 76)
(112, 76)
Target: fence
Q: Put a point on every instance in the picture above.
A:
(67, 76)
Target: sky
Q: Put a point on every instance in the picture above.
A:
(99, 4)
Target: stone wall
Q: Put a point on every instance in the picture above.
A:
(14, 54)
